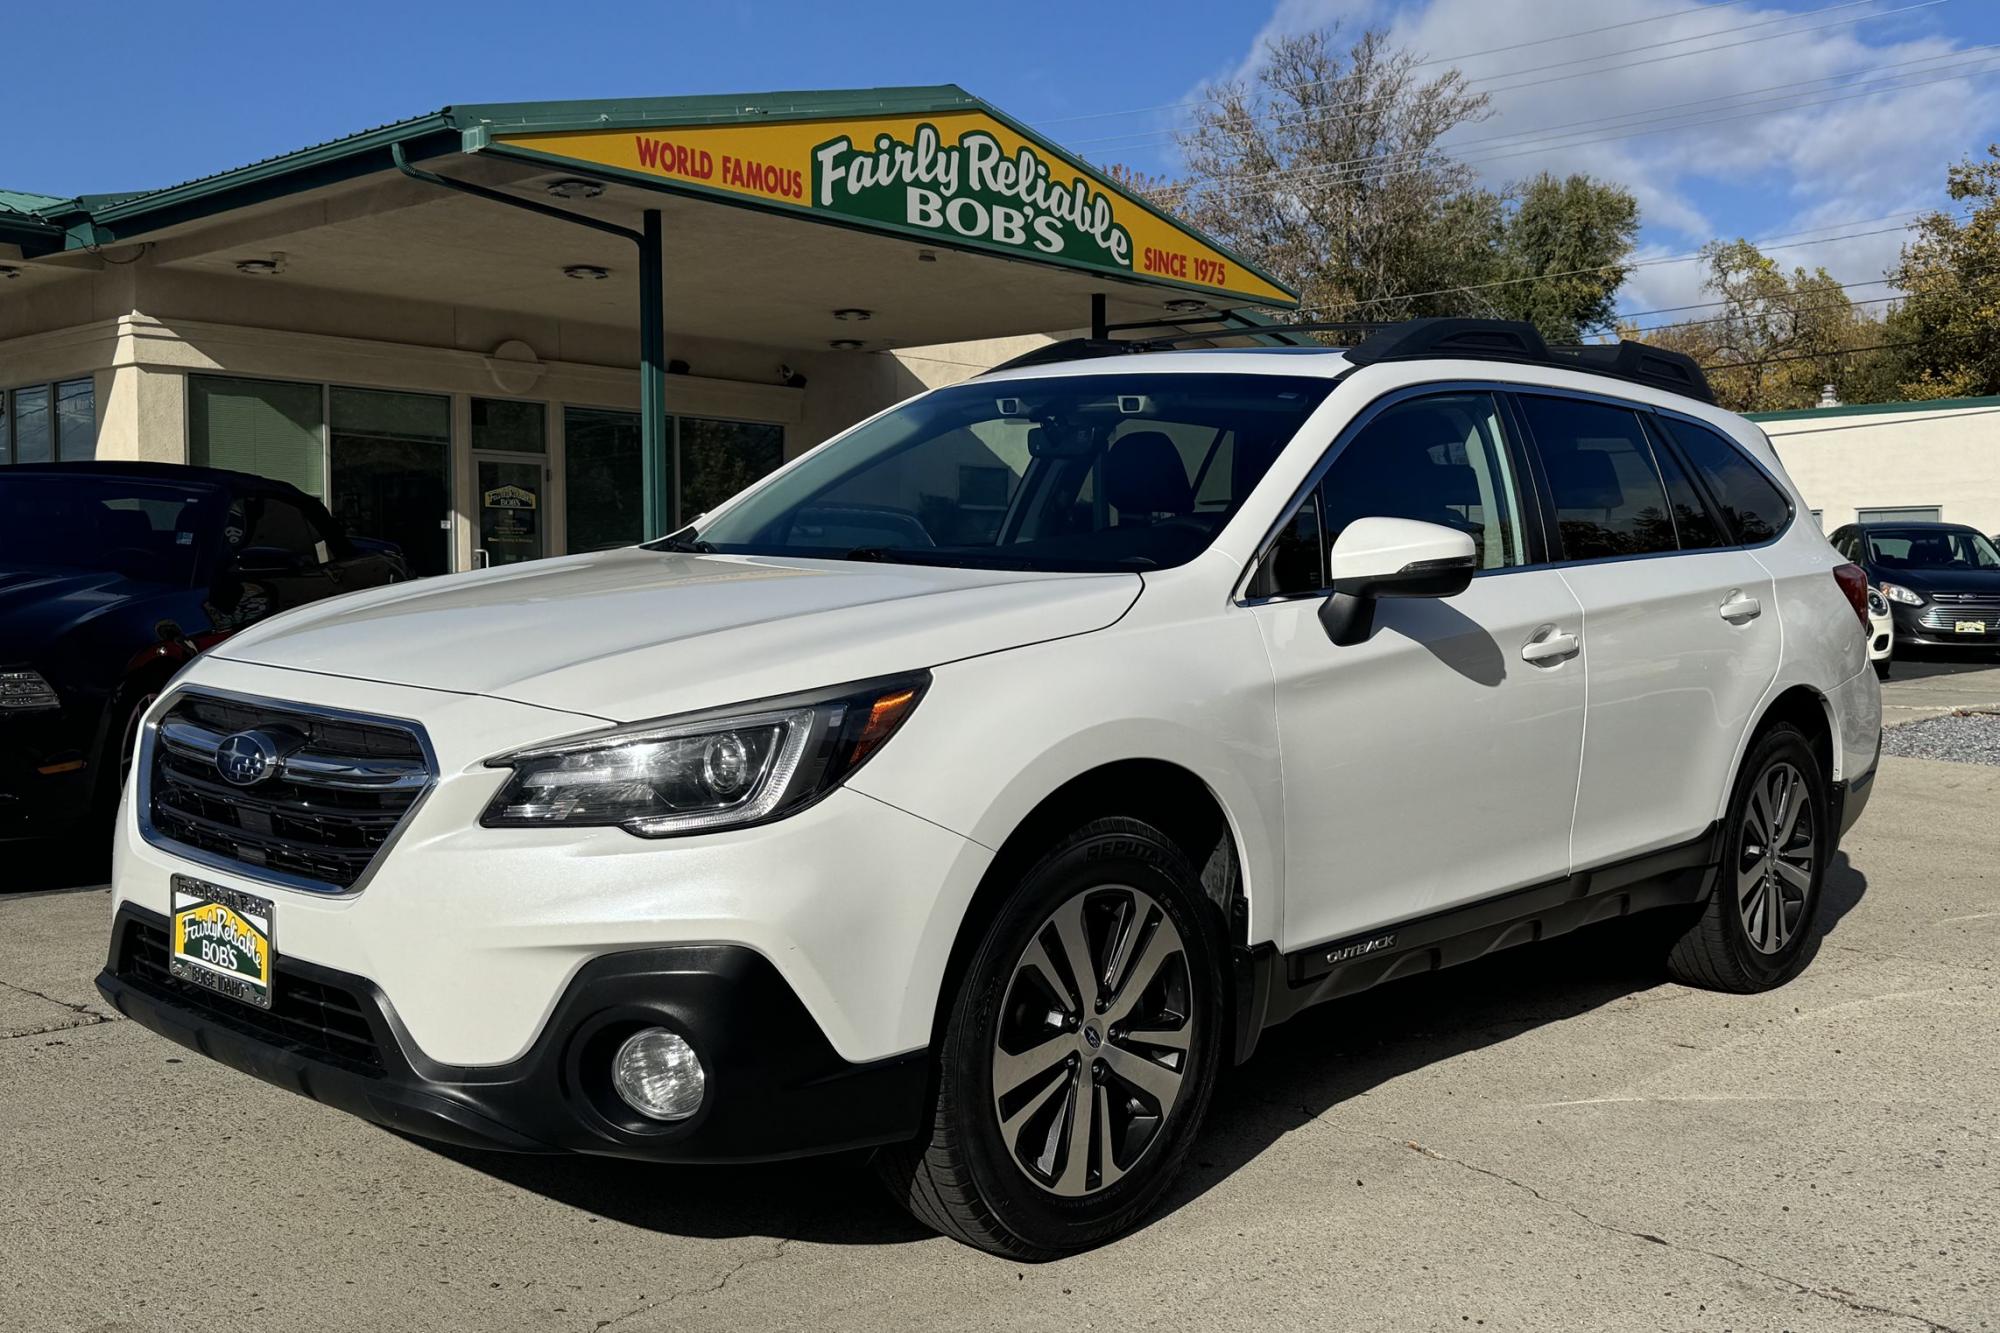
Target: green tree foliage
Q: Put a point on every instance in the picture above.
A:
(1328, 171)
(1950, 275)
(1775, 338)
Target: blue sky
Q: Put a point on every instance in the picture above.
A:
(165, 94)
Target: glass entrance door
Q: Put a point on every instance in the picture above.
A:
(390, 466)
(511, 495)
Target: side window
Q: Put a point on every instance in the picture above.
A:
(277, 522)
(1442, 460)
(1608, 494)
(1755, 507)
(1693, 522)
(1297, 562)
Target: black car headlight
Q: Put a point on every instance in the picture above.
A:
(701, 772)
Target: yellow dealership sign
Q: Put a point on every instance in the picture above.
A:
(957, 177)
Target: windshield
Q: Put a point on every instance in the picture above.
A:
(1932, 548)
(151, 532)
(1097, 472)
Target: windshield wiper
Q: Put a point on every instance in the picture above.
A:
(687, 544)
(929, 555)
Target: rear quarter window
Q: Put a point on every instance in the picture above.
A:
(1751, 502)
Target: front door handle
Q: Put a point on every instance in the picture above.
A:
(1549, 645)
(1741, 609)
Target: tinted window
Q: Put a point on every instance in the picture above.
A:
(1607, 490)
(1067, 472)
(1755, 507)
(283, 525)
(1297, 562)
(1440, 460)
(155, 533)
(1696, 527)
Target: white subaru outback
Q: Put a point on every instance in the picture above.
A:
(981, 784)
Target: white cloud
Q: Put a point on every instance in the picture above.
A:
(1761, 166)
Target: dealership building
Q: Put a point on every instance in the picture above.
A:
(1879, 462)
(500, 332)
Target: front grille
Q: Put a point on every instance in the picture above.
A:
(1954, 607)
(1988, 601)
(340, 789)
(325, 1022)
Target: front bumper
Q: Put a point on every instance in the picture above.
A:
(1911, 627)
(47, 770)
(775, 1087)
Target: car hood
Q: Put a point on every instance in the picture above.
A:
(39, 607)
(634, 633)
(1941, 580)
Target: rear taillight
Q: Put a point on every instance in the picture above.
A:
(1853, 581)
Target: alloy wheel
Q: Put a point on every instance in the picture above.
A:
(1093, 1040)
(1776, 858)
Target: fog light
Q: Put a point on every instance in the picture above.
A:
(658, 1075)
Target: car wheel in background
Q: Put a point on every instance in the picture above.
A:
(1882, 666)
(1079, 1053)
(1755, 932)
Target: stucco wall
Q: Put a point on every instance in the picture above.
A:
(1845, 459)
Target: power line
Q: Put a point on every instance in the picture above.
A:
(1436, 60)
(1139, 138)
(1888, 84)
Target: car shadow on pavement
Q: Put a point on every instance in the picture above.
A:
(1306, 1069)
(39, 865)
(1302, 1070)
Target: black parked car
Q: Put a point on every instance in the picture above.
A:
(1942, 580)
(113, 575)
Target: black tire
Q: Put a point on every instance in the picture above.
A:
(120, 732)
(1718, 952)
(1126, 882)
(1882, 668)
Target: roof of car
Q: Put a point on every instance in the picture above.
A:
(184, 473)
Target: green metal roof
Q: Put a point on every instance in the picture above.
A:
(1872, 409)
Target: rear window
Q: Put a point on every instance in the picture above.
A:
(1751, 503)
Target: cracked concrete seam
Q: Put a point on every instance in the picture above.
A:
(1836, 1295)
(777, 1252)
(92, 1017)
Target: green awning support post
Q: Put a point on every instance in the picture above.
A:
(656, 461)
(661, 506)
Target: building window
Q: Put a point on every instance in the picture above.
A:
(509, 427)
(46, 423)
(601, 468)
(268, 428)
(601, 478)
(719, 458)
(1906, 514)
(390, 460)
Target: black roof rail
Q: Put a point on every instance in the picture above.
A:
(1509, 340)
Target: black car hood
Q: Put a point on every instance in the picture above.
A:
(40, 607)
(1941, 580)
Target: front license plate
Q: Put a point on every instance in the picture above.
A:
(1971, 627)
(221, 940)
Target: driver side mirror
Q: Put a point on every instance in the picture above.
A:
(1391, 557)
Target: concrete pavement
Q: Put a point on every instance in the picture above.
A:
(1939, 684)
(1553, 1138)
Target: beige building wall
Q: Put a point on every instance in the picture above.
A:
(1846, 459)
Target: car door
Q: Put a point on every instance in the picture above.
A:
(1682, 624)
(1435, 762)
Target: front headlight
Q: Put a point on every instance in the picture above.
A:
(1896, 592)
(26, 692)
(1878, 605)
(725, 768)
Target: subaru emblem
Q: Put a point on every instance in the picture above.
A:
(246, 758)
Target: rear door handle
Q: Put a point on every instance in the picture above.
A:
(1550, 645)
(1739, 609)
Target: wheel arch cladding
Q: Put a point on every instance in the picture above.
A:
(1809, 711)
(1171, 798)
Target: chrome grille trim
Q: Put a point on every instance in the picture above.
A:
(403, 780)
